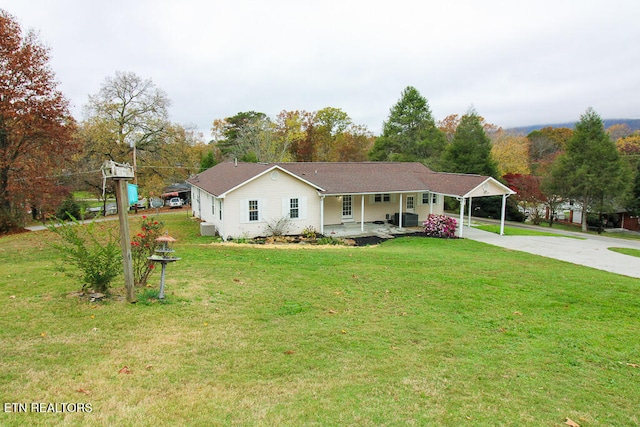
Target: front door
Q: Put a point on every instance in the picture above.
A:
(347, 208)
(411, 204)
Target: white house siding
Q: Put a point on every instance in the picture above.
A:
(195, 202)
(271, 190)
(332, 210)
(206, 207)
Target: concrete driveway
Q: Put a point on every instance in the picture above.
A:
(583, 249)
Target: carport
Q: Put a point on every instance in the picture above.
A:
(467, 187)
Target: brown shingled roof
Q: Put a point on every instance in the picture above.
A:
(343, 178)
(226, 176)
(362, 177)
(454, 184)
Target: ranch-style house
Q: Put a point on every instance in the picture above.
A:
(241, 199)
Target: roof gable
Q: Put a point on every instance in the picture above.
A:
(489, 187)
(224, 178)
(466, 185)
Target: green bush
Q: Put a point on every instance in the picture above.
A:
(69, 210)
(97, 262)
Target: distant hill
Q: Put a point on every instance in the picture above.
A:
(633, 124)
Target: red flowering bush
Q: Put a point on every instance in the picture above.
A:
(440, 226)
(143, 245)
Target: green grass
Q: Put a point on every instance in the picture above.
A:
(415, 331)
(627, 251)
(517, 231)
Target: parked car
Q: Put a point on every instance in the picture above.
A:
(175, 202)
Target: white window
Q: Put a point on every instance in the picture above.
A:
(294, 208)
(253, 211)
(379, 198)
(425, 198)
(220, 209)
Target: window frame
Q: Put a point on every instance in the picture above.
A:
(253, 212)
(294, 206)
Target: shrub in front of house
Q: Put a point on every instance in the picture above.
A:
(94, 253)
(440, 226)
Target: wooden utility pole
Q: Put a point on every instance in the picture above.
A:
(121, 174)
(122, 198)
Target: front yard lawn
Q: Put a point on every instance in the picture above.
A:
(415, 331)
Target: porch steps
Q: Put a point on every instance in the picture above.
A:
(383, 235)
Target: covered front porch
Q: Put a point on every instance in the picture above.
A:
(353, 229)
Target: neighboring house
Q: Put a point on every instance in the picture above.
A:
(242, 199)
(618, 218)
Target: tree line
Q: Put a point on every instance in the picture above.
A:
(46, 153)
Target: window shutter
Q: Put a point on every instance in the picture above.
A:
(285, 207)
(244, 211)
(262, 209)
(302, 207)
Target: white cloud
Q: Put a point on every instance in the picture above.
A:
(518, 63)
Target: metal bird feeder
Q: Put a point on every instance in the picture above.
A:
(163, 256)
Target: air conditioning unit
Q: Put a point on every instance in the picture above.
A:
(208, 229)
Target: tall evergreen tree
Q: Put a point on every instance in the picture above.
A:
(590, 170)
(410, 133)
(470, 149)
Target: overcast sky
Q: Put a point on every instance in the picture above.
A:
(516, 62)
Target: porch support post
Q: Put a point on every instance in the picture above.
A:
(470, 203)
(503, 213)
(430, 203)
(461, 223)
(400, 214)
(322, 214)
(362, 213)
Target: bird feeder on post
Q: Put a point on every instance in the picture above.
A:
(121, 173)
(164, 257)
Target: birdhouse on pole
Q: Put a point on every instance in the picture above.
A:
(113, 170)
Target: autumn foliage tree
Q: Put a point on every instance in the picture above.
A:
(35, 123)
(511, 153)
(327, 135)
(545, 145)
(529, 195)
